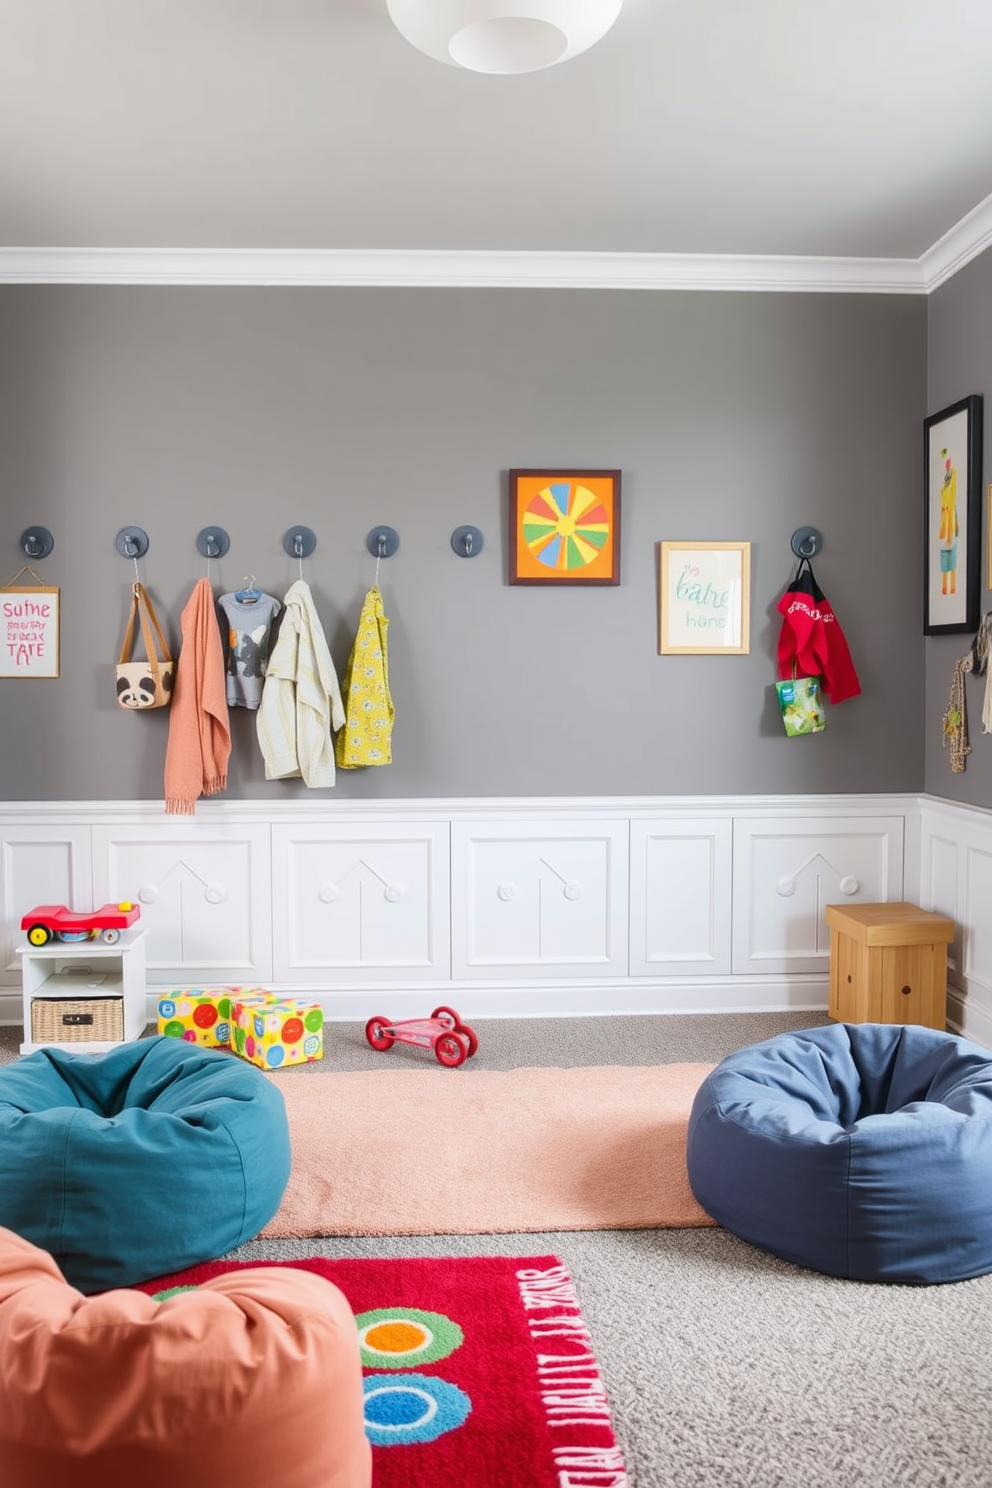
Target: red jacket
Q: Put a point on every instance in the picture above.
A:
(811, 642)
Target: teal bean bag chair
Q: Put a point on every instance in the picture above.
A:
(129, 1165)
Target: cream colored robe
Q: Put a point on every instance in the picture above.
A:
(301, 699)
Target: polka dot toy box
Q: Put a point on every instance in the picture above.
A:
(200, 1015)
(272, 1032)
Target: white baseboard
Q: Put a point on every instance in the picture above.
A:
(563, 1000)
(969, 1017)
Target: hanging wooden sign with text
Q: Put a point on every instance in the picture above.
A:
(29, 630)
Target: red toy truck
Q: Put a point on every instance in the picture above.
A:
(54, 922)
(452, 1040)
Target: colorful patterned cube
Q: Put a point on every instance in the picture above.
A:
(200, 1015)
(272, 1032)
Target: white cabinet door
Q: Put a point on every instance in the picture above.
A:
(680, 896)
(537, 898)
(361, 901)
(39, 865)
(204, 891)
(787, 869)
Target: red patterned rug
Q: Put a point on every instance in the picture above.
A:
(479, 1371)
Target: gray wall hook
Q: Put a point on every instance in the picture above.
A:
(382, 542)
(212, 542)
(37, 542)
(299, 542)
(806, 542)
(467, 542)
(131, 542)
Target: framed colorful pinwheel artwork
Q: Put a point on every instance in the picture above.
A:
(564, 526)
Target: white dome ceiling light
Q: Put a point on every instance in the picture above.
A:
(503, 36)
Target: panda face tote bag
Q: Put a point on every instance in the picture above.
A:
(144, 684)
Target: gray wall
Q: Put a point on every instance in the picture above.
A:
(959, 363)
(731, 417)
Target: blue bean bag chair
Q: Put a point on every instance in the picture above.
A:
(861, 1150)
(127, 1165)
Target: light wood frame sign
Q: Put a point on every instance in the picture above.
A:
(704, 595)
(29, 631)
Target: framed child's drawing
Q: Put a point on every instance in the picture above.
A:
(29, 630)
(952, 454)
(564, 527)
(704, 598)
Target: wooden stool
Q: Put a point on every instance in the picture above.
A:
(888, 964)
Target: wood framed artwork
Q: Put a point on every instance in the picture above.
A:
(564, 526)
(952, 456)
(29, 617)
(704, 598)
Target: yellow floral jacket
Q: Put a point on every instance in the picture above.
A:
(366, 738)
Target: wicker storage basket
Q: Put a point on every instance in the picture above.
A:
(67, 1020)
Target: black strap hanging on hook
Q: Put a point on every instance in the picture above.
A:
(804, 580)
(806, 542)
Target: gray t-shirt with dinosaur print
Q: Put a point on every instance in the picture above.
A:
(248, 626)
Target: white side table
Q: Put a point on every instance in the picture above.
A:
(84, 996)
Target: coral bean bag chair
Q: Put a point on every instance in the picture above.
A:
(250, 1380)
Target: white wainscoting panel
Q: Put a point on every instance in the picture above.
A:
(786, 870)
(204, 890)
(361, 900)
(956, 880)
(681, 893)
(543, 899)
(39, 864)
(976, 961)
(509, 907)
(939, 874)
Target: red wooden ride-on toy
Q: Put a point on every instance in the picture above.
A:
(452, 1040)
(54, 922)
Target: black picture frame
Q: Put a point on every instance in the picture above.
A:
(952, 534)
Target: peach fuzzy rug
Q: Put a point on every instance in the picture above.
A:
(420, 1152)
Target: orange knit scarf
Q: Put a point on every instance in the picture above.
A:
(199, 728)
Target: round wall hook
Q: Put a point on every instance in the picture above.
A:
(382, 542)
(212, 542)
(467, 542)
(299, 542)
(37, 542)
(806, 542)
(131, 542)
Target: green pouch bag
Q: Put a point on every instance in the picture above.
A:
(801, 704)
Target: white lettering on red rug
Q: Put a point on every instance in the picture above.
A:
(571, 1390)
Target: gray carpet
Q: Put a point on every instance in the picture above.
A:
(726, 1367)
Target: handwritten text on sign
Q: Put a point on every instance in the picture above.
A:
(705, 589)
(29, 632)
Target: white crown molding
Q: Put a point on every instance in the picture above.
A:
(963, 242)
(430, 269)
(424, 268)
